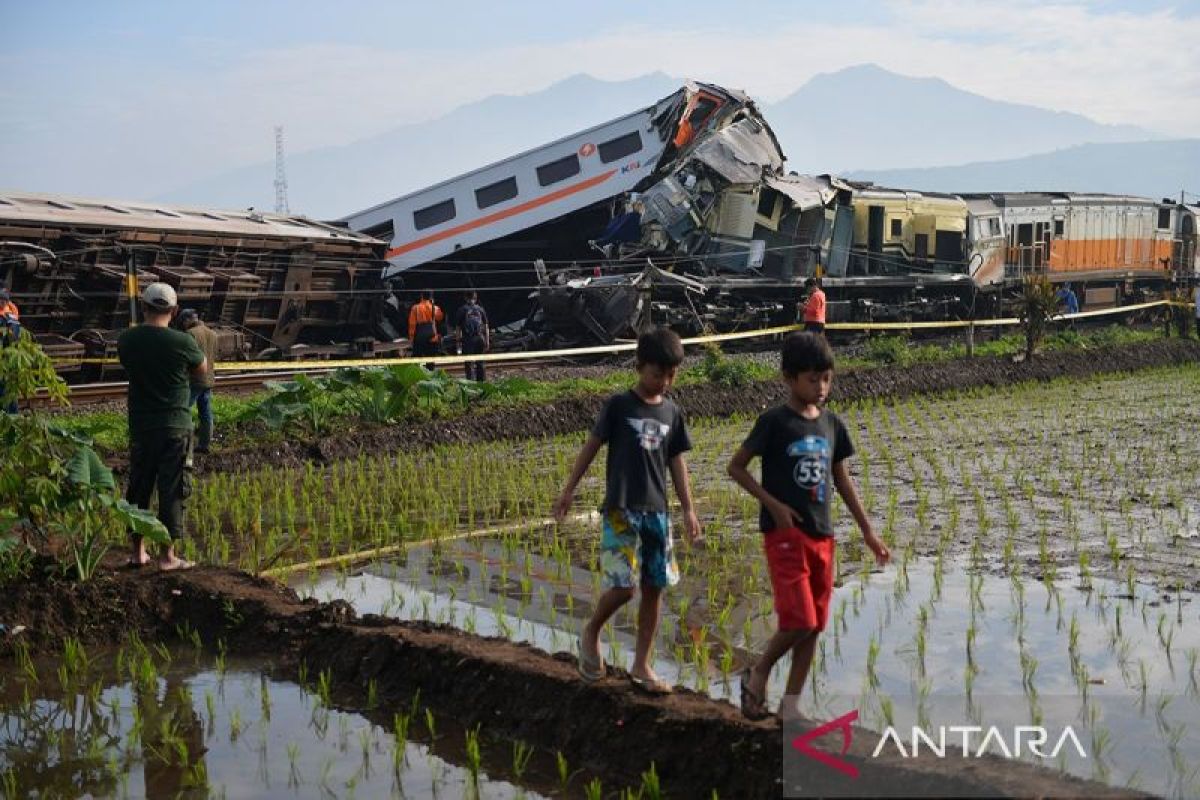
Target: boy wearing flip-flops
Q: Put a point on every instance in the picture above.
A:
(646, 437)
(802, 446)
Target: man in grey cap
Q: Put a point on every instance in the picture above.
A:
(158, 361)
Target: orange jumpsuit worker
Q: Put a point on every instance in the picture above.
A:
(423, 321)
(814, 308)
(7, 307)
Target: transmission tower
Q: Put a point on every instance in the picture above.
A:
(281, 201)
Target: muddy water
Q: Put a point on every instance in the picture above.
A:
(1036, 653)
(195, 728)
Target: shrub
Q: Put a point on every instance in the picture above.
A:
(52, 481)
(725, 371)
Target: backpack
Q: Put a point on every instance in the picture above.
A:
(473, 322)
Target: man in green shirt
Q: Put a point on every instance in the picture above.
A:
(202, 387)
(158, 362)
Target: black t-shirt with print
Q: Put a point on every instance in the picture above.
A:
(642, 439)
(798, 455)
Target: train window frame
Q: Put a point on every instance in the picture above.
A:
(434, 215)
(618, 148)
(895, 228)
(496, 192)
(1060, 227)
(1164, 219)
(559, 170)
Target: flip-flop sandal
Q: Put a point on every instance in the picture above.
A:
(591, 670)
(655, 688)
(752, 704)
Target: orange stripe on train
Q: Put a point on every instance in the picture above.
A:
(521, 208)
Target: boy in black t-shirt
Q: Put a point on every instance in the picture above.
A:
(802, 445)
(646, 436)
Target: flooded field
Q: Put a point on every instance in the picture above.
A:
(1097, 475)
(1045, 554)
(159, 723)
(903, 647)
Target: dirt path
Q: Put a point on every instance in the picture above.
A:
(512, 691)
(705, 400)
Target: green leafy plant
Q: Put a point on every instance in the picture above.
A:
(52, 481)
(1037, 304)
(725, 371)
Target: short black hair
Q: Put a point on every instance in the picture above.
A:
(660, 347)
(472, 295)
(805, 352)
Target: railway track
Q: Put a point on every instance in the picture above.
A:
(244, 382)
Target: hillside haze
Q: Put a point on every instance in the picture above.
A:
(334, 181)
(865, 117)
(861, 118)
(1155, 169)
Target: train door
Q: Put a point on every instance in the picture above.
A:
(1025, 246)
(875, 218)
(840, 241)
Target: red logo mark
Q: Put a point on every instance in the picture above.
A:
(802, 743)
(586, 150)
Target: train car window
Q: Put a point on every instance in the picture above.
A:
(1164, 218)
(947, 246)
(620, 147)
(1059, 227)
(559, 170)
(922, 246)
(384, 231)
(766, 203)
(897, 226)
(994, 226)
(496, 192)
(433, 215)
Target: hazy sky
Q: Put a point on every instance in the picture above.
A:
(132, 99)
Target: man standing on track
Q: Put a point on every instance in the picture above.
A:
(202, 388)
(471, 327)
(814, 307)
(158, 362)
(423, 321)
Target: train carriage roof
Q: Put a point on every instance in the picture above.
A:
(26, 208)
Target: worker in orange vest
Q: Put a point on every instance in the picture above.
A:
(814, 307)
(7, 307)
(423, 321)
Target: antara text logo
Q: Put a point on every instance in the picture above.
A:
(964, 741)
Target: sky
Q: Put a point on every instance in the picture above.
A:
(134, 99)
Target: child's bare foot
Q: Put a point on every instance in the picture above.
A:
(172, 564)
(137, 560)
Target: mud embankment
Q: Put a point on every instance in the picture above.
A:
(703, 400)
(513, 691)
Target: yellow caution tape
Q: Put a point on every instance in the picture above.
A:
(625, 347)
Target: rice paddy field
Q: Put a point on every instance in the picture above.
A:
(1045, 547)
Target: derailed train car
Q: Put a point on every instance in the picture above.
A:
(682, 213)
(267, 283)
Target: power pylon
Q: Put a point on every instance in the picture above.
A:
(281, 201)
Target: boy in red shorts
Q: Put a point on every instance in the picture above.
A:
(802, 446)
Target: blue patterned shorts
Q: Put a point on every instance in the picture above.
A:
(637, 538)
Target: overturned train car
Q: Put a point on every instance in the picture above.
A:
(269, 284)
(682, 213)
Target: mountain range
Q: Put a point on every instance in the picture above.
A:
(864, 122)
